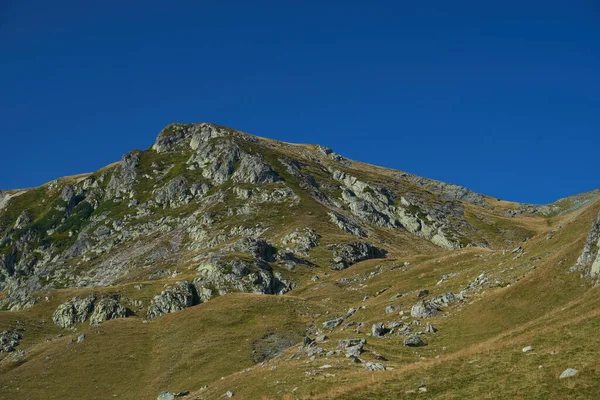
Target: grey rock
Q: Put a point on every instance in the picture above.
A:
(430, 328)
(171, 395)
(589, 260)
(321, 338)
(73, 311)
(343, 344)
(371, 366)
(413, 341)
(105, 309)
(124, 175)
(391, 309)
(174, 298)
(527, 349)
(333, 323)
(80, 338)
(569, 372)
(9, 339)
(424, 309)
(345, 255)
(345, 225)
(254, 169)
(378, 330)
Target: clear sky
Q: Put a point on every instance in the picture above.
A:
(501, 97)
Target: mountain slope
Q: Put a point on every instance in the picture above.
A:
(170, 252)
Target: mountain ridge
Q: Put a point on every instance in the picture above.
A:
(208, 220)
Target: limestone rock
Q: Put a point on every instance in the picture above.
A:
(413, 341)
(73, 311)
(345, 255)
(254, 169)
(424, 309)
(569, 372)
(174, 298)
(9, 339)
(378, 330)
(589, 260)
(105, 309)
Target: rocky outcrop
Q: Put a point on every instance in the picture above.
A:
(174, 298)
(124, 175)
(589, 260)
(301, 241)
(430, 308)
(345, 225)
(177, 192)
(254, 169)
(73, 311)
(9, 339)
(105, 309)
(345, 255)
(96, 309)
(235, 274)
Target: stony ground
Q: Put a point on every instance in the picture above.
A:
(218, 264)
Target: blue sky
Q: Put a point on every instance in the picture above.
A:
(503, 98)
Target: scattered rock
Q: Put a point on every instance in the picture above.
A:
(80, 338)
(391, 309)
(371, 366)
(423, 309)
(569, 372)
(413, 341)
(333, 323)
(378, 330)
(527, 349)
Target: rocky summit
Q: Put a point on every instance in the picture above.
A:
(218, 264)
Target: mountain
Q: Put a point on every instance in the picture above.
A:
(217, 263)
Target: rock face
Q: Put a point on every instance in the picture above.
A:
(222, 182)
(73, 311)
(105, 309)
(9, 339)
(344, 255)
(80, 309)
(589, 260)
(174, 298)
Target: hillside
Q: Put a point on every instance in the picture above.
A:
(219, 263)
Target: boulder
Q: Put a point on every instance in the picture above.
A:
(333, 323)
(73, 311)
(413, 341)
(345, 255)
(424, 309)
(105, 309)
(174, 298)
(371, 366)
(378, 330)
(569, 372)
(9, 340)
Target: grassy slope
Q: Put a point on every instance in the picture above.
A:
(534, 302)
